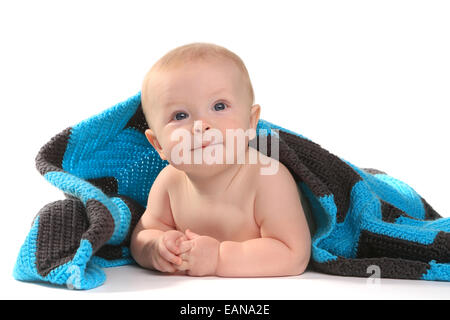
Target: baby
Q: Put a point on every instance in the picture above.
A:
(222, 218)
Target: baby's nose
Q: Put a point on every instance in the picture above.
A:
(200, 126)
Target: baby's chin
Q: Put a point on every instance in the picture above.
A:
(203, 169)
(205, 165)
(210, 159)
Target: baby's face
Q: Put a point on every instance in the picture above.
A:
(195, 98)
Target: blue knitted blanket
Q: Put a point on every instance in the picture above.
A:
(365, 219)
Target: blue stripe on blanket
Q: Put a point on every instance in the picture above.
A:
(104, 263)
(100, 147)
(442, 224)
(410, 200)
(74, 274)
(324, 221)
(125, 222)
(25, 267)
(393, 191)
(86, 191)
(402, 196)
(438, 271)
(77, 274)
(343, 240)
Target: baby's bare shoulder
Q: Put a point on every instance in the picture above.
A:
(168, 176)
(270, 170)
(277, 195)
(273, 174)
(275, 184)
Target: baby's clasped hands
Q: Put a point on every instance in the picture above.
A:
(199, 254)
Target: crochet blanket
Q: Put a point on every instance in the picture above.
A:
(366, 220)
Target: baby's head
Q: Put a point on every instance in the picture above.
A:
(197, 87)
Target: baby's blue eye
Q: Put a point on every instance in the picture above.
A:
(221, 106)
(180, 115)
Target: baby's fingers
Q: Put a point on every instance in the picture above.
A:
(185, 246)
(172, 243)
(183, 266)
(165, 266)
(169, 256)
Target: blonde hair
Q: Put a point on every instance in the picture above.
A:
(194, 52)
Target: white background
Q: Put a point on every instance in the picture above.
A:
(367, 80)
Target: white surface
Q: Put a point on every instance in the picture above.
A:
(366, 80)
(132, 282)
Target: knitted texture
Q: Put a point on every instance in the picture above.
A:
(105, 167)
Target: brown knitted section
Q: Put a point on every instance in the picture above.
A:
(109, 252)
(108, 185)
(389, 268)
(101, 224)
(136, 211)
(377, 245)
(137, 121)
(289, 158)
(315, 165)
(390, 213)
(50, 156)
(61, 226)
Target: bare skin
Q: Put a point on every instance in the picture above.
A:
(217, 219)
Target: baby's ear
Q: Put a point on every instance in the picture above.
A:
(254, 116)
(151, 137)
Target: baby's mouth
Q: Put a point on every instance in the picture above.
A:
(205, 144)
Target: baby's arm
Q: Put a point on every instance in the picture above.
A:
(155, 238)
(284, 246)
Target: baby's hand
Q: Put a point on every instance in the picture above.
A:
(200, 254)
(165, 258)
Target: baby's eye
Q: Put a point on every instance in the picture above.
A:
(180, 116)
(219, 106)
